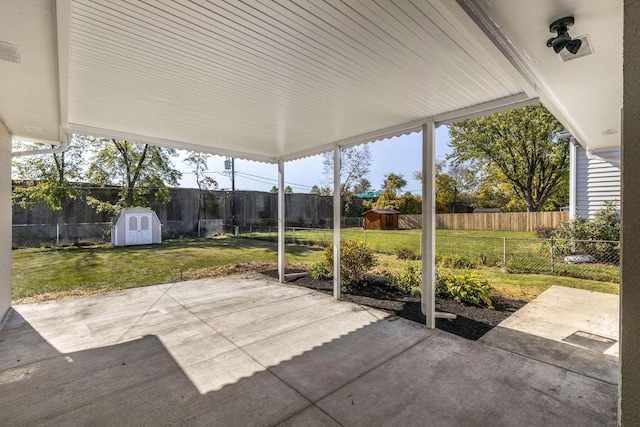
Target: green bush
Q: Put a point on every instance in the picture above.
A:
(406, 254)
(409, 279)
(456, 261)
(467, 287)
(598, 237)
(318, 271)
(356, 258)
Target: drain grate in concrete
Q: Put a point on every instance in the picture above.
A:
(589, 340)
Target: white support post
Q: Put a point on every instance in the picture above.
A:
(573, 152)
(5, 221)
(336, 223)
(428, 236)
(281, 221)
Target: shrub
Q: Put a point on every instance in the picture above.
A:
(406, 254)
(456, 261)
(409, 279)
(598, 237)
(318, 271)
(467, 287)
(356, 258)
(546, 232)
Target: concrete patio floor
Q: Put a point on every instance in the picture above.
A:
(245, 350)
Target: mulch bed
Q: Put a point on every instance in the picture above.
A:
(472, 322)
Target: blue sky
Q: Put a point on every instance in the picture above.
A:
(401, 155)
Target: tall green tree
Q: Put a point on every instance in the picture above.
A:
(520, 147)
(140, 170)
(197, 162)
(354, 166)
(52, 179)
(362, 186)
(392, 184)
(453, 185)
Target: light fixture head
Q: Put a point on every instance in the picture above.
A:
(563, 39)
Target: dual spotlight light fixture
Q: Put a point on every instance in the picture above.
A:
(563, 39)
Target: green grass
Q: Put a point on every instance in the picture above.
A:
(525, 253)
(386, 241)
(95, 268)
(38, 271)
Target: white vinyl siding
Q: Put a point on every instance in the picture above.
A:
(597, 181)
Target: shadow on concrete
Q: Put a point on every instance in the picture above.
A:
(387, 372)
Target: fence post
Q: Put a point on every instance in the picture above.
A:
(198, 228)
(504, 251)
(324, 237)
(364, 235)
(553, 267)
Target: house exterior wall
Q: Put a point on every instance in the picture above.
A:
(597, 181)
(629, 383)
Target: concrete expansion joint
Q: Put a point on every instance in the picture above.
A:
(539, 360)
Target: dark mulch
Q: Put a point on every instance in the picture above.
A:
(472, 322)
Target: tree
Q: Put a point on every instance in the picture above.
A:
(389, 197)
(321, 191)
(139, 169)
(354, 166)
(394, 183)
(198, 165)
(52, 179)
(362, 186)
(520, 147)
(287, 189)
(453, 183)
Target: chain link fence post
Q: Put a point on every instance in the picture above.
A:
(504, 251)
(553, 266)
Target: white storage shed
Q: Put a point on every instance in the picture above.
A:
(136, 226)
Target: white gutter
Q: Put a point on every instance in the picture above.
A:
(609, 159)
(59, 149)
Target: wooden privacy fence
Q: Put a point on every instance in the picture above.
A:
(503, 221)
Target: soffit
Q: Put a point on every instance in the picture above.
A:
(271, 79)
(584, 93)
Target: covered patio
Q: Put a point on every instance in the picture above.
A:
(278, 81)
(247, 350)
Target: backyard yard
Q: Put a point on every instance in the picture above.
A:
(59, 272)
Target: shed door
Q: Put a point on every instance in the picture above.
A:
(138, 226)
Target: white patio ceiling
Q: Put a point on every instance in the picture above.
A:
(268, 80)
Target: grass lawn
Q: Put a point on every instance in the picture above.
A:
(55, 272)
(38, 271)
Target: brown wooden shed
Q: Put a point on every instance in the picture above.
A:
(381, 219)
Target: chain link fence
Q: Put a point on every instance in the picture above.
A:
(586, 259)
(48, 235)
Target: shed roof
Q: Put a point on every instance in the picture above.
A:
(382, 211)
(282, 80)
(119, 215)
